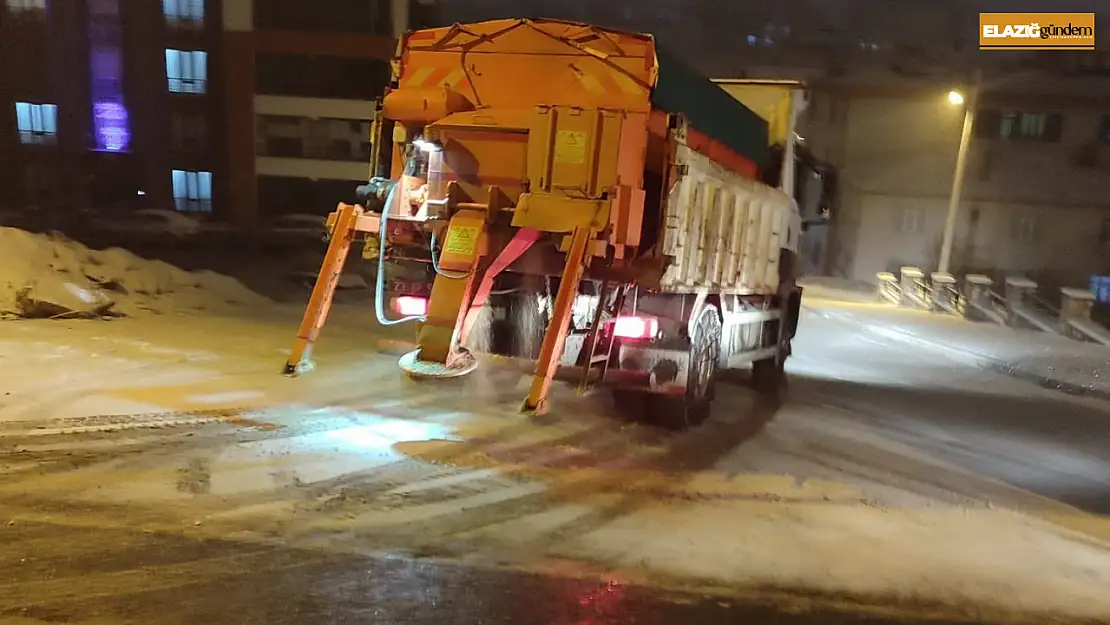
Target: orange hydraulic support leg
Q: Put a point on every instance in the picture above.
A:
(450, 299)
(555, 338)
(343, 234)
(520, 243)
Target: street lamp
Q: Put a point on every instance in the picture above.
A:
(956, 99)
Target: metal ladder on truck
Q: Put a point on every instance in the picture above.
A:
(610, 302)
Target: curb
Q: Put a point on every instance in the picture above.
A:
(1052, 384)
(991, 363)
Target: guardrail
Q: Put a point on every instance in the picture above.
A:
(1075, 317)
(915, 289)
(1019, 306)
(946, 297)
(889, 289)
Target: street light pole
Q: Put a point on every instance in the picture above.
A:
(958, 178)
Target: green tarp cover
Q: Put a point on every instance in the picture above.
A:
(708, 108)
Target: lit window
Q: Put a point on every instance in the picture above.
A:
(187, 70)
(192, 191)
(37, 123)
(27, 5)
(183, 10)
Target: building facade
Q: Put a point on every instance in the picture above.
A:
(231, 110)
(122, 115)
(300, 99)
(1036, 194)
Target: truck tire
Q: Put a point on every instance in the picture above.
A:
(692, 408)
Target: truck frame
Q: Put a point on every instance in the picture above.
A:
(567, 194)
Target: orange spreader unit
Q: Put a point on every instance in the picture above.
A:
(506, 132)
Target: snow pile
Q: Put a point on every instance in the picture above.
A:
(1051, 360)
(53, 277)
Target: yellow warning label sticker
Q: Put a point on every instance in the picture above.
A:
(462, 240)
(570, 147)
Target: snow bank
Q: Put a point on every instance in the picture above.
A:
(52, 277)
(1050, 360)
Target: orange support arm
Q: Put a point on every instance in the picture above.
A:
(556, 336)
(343, 234)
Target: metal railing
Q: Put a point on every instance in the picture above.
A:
(948, 298)
(997, 306)
(1019, 306)
(1041, 305)
(889, 289)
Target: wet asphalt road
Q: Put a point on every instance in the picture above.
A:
(65, 574)
(1012, 429)
(104, 575)
(1053, 447)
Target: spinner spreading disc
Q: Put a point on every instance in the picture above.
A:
(464, 363)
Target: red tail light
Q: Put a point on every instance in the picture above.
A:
(635, 327)
(410, 306)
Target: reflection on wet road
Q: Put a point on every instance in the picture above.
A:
(161, 498)
(102, 576)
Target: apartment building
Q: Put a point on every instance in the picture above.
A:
(121, 115)
(1036, 195)
(299, 103)
(230, 110)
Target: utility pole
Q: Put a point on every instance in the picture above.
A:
(958, 180)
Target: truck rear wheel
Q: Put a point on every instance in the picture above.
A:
(692, 408)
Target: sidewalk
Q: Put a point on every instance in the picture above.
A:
(1048, 360)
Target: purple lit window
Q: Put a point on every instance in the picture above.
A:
(113, 133)
(111, 125)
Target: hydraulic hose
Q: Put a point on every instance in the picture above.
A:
(460, 275)
(379, 295)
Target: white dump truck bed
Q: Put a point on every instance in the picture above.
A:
(724, 232)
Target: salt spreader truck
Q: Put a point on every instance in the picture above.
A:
(577, 198)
